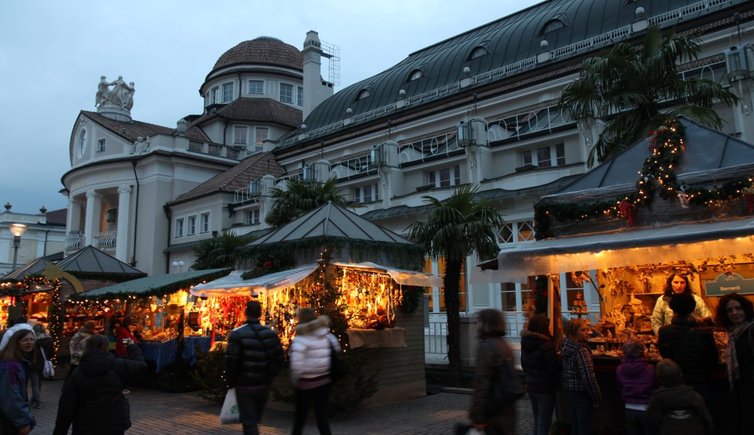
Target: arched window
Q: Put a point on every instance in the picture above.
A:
(364, 93)
(415, 75)
(478, 51)
(552, 25)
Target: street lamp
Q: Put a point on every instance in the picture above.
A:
(17, 230)
(178, 265)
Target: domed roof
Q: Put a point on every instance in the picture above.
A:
(263, 50)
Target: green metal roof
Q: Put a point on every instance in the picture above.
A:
(153, 285)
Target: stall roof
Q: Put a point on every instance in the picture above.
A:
(625, 248)
(90, 260)
(153, 285)
(707, 150)
(36, 267)
(234, 285)
(401, 276)
(330, 221)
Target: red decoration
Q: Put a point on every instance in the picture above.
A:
(749, 203)
(626, 211)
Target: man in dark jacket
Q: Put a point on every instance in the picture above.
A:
(253, 357)
(691, 346)
(92, 397)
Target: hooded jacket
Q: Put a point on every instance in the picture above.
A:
(310, 351)
(540, 363)
(92, 397)
(679, 411)
(253, 356)
(636, 378)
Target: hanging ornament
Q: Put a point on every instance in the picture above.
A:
(626, 211)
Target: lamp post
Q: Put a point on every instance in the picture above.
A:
(17, 230)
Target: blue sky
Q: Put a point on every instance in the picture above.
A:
(52, 54)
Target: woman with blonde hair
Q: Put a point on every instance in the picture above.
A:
(16, 354)
(580, 389)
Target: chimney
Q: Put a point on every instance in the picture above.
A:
(316, 89)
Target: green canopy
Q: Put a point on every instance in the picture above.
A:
(159, 285)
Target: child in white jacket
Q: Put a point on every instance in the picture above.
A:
(309, 356)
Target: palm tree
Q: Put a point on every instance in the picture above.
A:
(301, 197)
(636, 88)
(219, 251)
(455, 228)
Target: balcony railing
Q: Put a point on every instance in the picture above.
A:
(105, 240)
(75, 241)
(355, 166)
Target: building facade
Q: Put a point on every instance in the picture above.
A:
(479, 108)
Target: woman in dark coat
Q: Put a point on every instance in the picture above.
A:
(92, 398)
(736, 313)
(542, 369)
(493, 351)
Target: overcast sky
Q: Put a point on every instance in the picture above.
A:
(52, 54)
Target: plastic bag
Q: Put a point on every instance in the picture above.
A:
(48, 371)
(229, 412)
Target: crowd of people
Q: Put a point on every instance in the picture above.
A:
(673, 396)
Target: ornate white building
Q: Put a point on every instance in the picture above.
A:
(479, 108)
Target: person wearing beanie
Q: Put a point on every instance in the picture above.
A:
(252, 359)
(636, 380)
(691, 346)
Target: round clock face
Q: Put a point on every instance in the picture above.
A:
(82, 143)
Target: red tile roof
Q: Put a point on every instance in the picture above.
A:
(134, 129)
(255, 110)
(237, 177)
(263, 50)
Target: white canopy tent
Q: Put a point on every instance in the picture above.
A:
(401, 276)
(627, 248)
(234, 285)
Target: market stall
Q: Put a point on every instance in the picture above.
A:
(688, 212)
(372, 304)
(163, 316)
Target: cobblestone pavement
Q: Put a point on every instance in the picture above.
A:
(154, 413)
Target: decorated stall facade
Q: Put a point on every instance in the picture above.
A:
(364, 277)
(679, 202)
(165, 318)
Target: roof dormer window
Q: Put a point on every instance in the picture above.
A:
(364, 93)
(478, 51)
(415, 75)
(552, 25)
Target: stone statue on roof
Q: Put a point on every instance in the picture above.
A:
(121, 94)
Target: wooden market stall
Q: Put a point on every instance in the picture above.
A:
(690, 210)
(164, 317)
(364, 277)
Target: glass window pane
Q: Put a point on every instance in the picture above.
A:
(525, 231)
(560, 154)
(227, 92)
(508, 296)
(543, 157)
(506, 233)
(286, 93)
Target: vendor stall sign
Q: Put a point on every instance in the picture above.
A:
(728, 283)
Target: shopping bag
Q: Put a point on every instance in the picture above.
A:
(48, 371)
(229, 412)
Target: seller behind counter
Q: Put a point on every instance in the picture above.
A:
(676, 284)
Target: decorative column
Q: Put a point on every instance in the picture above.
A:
(73, 222)
(91, 220)
(124, 208)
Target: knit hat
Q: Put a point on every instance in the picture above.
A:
(12, 330)
(633, 348)
(682, 304)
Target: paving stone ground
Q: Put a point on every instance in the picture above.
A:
(154, 412)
